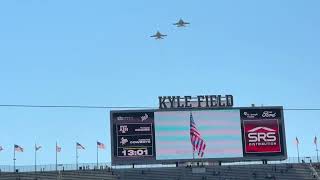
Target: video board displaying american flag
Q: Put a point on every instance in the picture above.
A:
(198, 134)
(192, 135)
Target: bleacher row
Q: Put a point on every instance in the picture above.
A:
(230, 172)
(65, 175)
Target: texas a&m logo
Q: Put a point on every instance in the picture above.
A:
(261, 136)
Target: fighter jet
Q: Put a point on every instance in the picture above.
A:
(158, 35)
(181, 23)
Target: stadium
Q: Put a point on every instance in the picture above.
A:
(159, 90)
(282, 170)
(191, 142)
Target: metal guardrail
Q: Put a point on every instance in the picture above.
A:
(52, 167)
(106, 166)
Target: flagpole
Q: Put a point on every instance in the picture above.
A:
(298, 152)
(317, 151)
(191, 137)
(97, 155)
(76, 157)
(14, 159)
(35, 157)
(56, 156)
(193, 143)
(192, 152)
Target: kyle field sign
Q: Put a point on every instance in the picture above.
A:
(201, 101)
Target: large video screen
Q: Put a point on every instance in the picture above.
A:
(219, 131)
(234, 134)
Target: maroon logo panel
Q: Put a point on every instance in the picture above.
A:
(261, 136)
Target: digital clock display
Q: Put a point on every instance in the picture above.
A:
(131, 152)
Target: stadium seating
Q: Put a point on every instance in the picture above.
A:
(258, 172)
(226, 172)
(65, 175)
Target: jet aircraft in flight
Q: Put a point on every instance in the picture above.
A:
(158, 35)
(181, 23)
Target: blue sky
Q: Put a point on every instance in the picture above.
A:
(99, 53)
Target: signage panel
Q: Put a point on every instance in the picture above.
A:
(261, 136)
(132, 136)
(263, 132)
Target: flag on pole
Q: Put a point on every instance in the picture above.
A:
(18, 148)
(38, 147)
(297, 140)
(100, 145)
(1, 148)
(198, 144)
(79, 146)
(315, 140)
(58, 148)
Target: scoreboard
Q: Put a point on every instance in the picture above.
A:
(133, 135)
(135, 139)
(230, 134)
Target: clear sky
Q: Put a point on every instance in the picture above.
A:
(75, 52)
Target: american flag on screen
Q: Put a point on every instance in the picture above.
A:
(198, 144)
(18, 148)
(100, 145)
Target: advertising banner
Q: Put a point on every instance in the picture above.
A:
(262, 132)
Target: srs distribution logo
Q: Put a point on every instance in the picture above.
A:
(261, 136)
